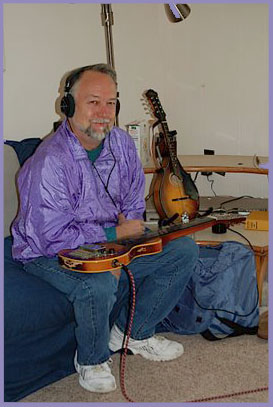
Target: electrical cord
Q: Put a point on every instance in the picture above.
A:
(211, 181)
(222, 396)
(108, 179)
(235, 199)
(196, 175)
(240, 234)
(148, 196)
(127, 334)
(105, 187)
(224, 310)
(107, 184)
(126, 342)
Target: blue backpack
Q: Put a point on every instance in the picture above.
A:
(221, 299)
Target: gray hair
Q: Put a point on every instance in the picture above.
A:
(74, 77)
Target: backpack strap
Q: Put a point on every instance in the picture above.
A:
(207, 334)
(237, 330)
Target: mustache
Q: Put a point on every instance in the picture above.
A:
(100, 121)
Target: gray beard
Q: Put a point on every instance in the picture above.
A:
(95, 135)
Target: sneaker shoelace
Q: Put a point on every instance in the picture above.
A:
(151, 344)
(102, 368)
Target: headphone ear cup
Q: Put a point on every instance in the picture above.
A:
(117, 107)
(68, 105)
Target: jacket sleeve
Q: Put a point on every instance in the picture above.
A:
(133, 203)
(47, 220)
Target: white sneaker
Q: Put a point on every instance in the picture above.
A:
(96, 378)
(156, 348)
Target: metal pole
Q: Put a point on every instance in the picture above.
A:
(107, 19)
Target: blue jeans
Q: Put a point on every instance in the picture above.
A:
(99, 300)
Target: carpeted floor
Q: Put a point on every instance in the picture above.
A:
(237, 367)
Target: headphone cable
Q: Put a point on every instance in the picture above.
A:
(114, 162)
(107, 183)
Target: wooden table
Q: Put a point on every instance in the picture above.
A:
(232, 164)
(219, 163)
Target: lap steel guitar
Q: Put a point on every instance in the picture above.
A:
(108, 256)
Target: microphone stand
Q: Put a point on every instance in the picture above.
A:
(107, 19)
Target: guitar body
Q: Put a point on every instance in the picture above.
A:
(102, 257)
(173, 194)
(172, 188)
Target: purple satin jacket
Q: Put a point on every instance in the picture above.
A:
(63, 200)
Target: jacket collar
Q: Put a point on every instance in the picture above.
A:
(77, 149)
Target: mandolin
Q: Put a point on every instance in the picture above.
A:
(109, 256)
(172, 188)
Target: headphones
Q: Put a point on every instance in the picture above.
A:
(68, 102)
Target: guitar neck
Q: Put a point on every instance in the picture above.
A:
(170, 142)
(168, 233)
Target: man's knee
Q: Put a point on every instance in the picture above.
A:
(101, 284)
(185, 247)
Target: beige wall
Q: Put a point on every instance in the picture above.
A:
(211, 73)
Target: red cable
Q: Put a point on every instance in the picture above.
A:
(227, 395)
(125, 350)
(128, 334)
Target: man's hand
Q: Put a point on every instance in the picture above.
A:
(129, 228)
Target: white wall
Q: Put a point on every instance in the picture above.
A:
(211, 73)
